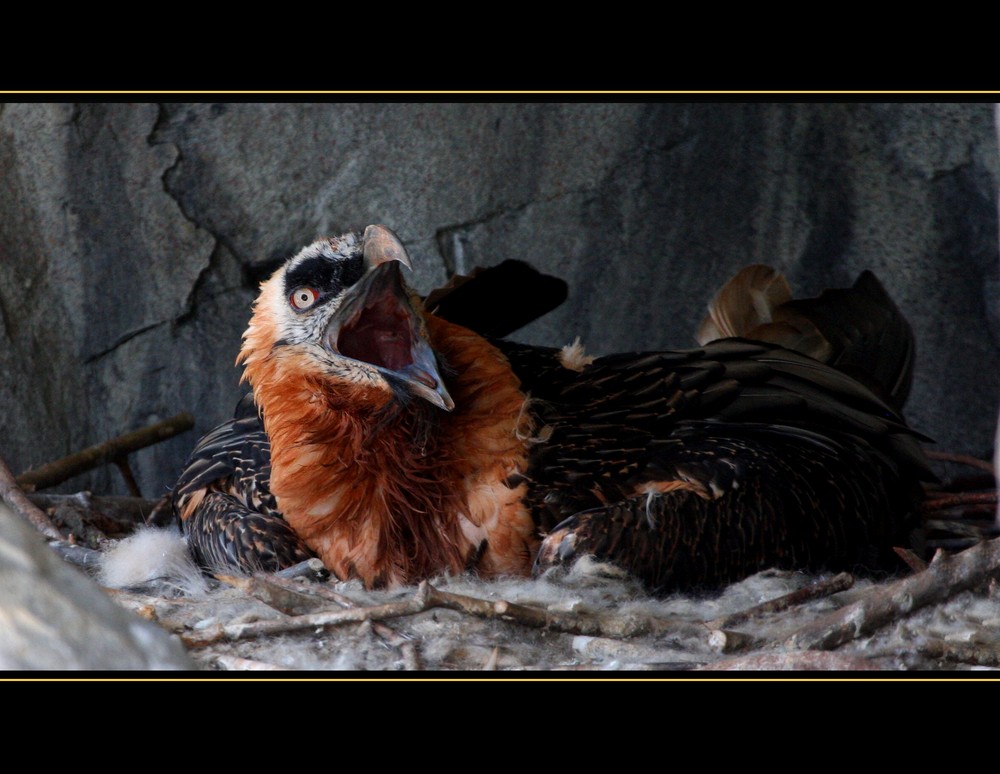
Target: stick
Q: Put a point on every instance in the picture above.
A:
(428, 597)
(411, 658)
(278, 596)
(820, 589)
(60, 470)
(128, 512)
(961, 652)
(725, 641)
(608, 650)
(12, 494)
(236, 664)
(307, 569)
(810, 661)
(416, 604)
(913, 561)
(80, 556)
(665, 666)
(282, 594)
(491, 662)
(121, 462)
(945, 577)
(536, 618)
(952, 501)
(961, 459)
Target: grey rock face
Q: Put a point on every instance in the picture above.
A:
(133, 236)
(54, 617)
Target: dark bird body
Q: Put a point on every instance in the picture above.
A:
(397, 445)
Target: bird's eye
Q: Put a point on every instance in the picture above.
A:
(303, 298)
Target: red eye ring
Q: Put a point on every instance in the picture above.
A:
(303, 298)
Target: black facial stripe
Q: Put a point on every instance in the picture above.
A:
(353, 270)
(328, 275)
(320, 273)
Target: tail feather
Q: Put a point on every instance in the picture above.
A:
(857, 330)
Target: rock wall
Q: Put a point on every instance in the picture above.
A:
(133, 236)
(54, 617)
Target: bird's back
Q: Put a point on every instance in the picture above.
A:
(697, 467)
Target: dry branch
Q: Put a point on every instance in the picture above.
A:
(939, 503)
(283, 594)
(810, 661)
(491, 662)
(823, 588)
(310, 568)
(725, 641)
(236, 664)
(961, 652)
(428, 597)
(569, 623)
(961, 459)
(60, 470)
(242, 631)
(913, 561)
(945, 577)
(411, 658)
(126, 512)
(81, 556)
(12, 494)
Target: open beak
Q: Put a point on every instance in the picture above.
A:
(377, 323)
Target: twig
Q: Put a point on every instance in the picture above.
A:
(80, 556)
(959, 528)
(823, 588)
(664, 666)
(236, 664)
(125, 512)
(955, 500)
(945, 577)
(536, 618)
(60, 470)
(491, 662)
(121, 462)
(810, 661)
(310, 568)
(725, 641)
(283, 594)
(428, 597)
(961, 652)
(913, 561)
(416, 604)
(954, 545)
(12, 494)
(961, 459)
(411, 657)
(608, 651)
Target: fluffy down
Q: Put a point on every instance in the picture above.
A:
(151, 554)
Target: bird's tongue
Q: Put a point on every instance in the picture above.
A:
(383, 329)
(379, 335)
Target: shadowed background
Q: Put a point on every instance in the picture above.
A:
(133, 237)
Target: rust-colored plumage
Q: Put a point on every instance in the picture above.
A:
(393, 492)
(396, 445)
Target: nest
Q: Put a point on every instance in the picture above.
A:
(944, 615)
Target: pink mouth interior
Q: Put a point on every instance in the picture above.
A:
(379, 335)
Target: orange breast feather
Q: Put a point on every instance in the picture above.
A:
(392, 494)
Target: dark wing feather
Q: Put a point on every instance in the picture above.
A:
(224, 500)
(695, 467)
(497, 300)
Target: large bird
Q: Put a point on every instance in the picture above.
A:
(397, 445)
